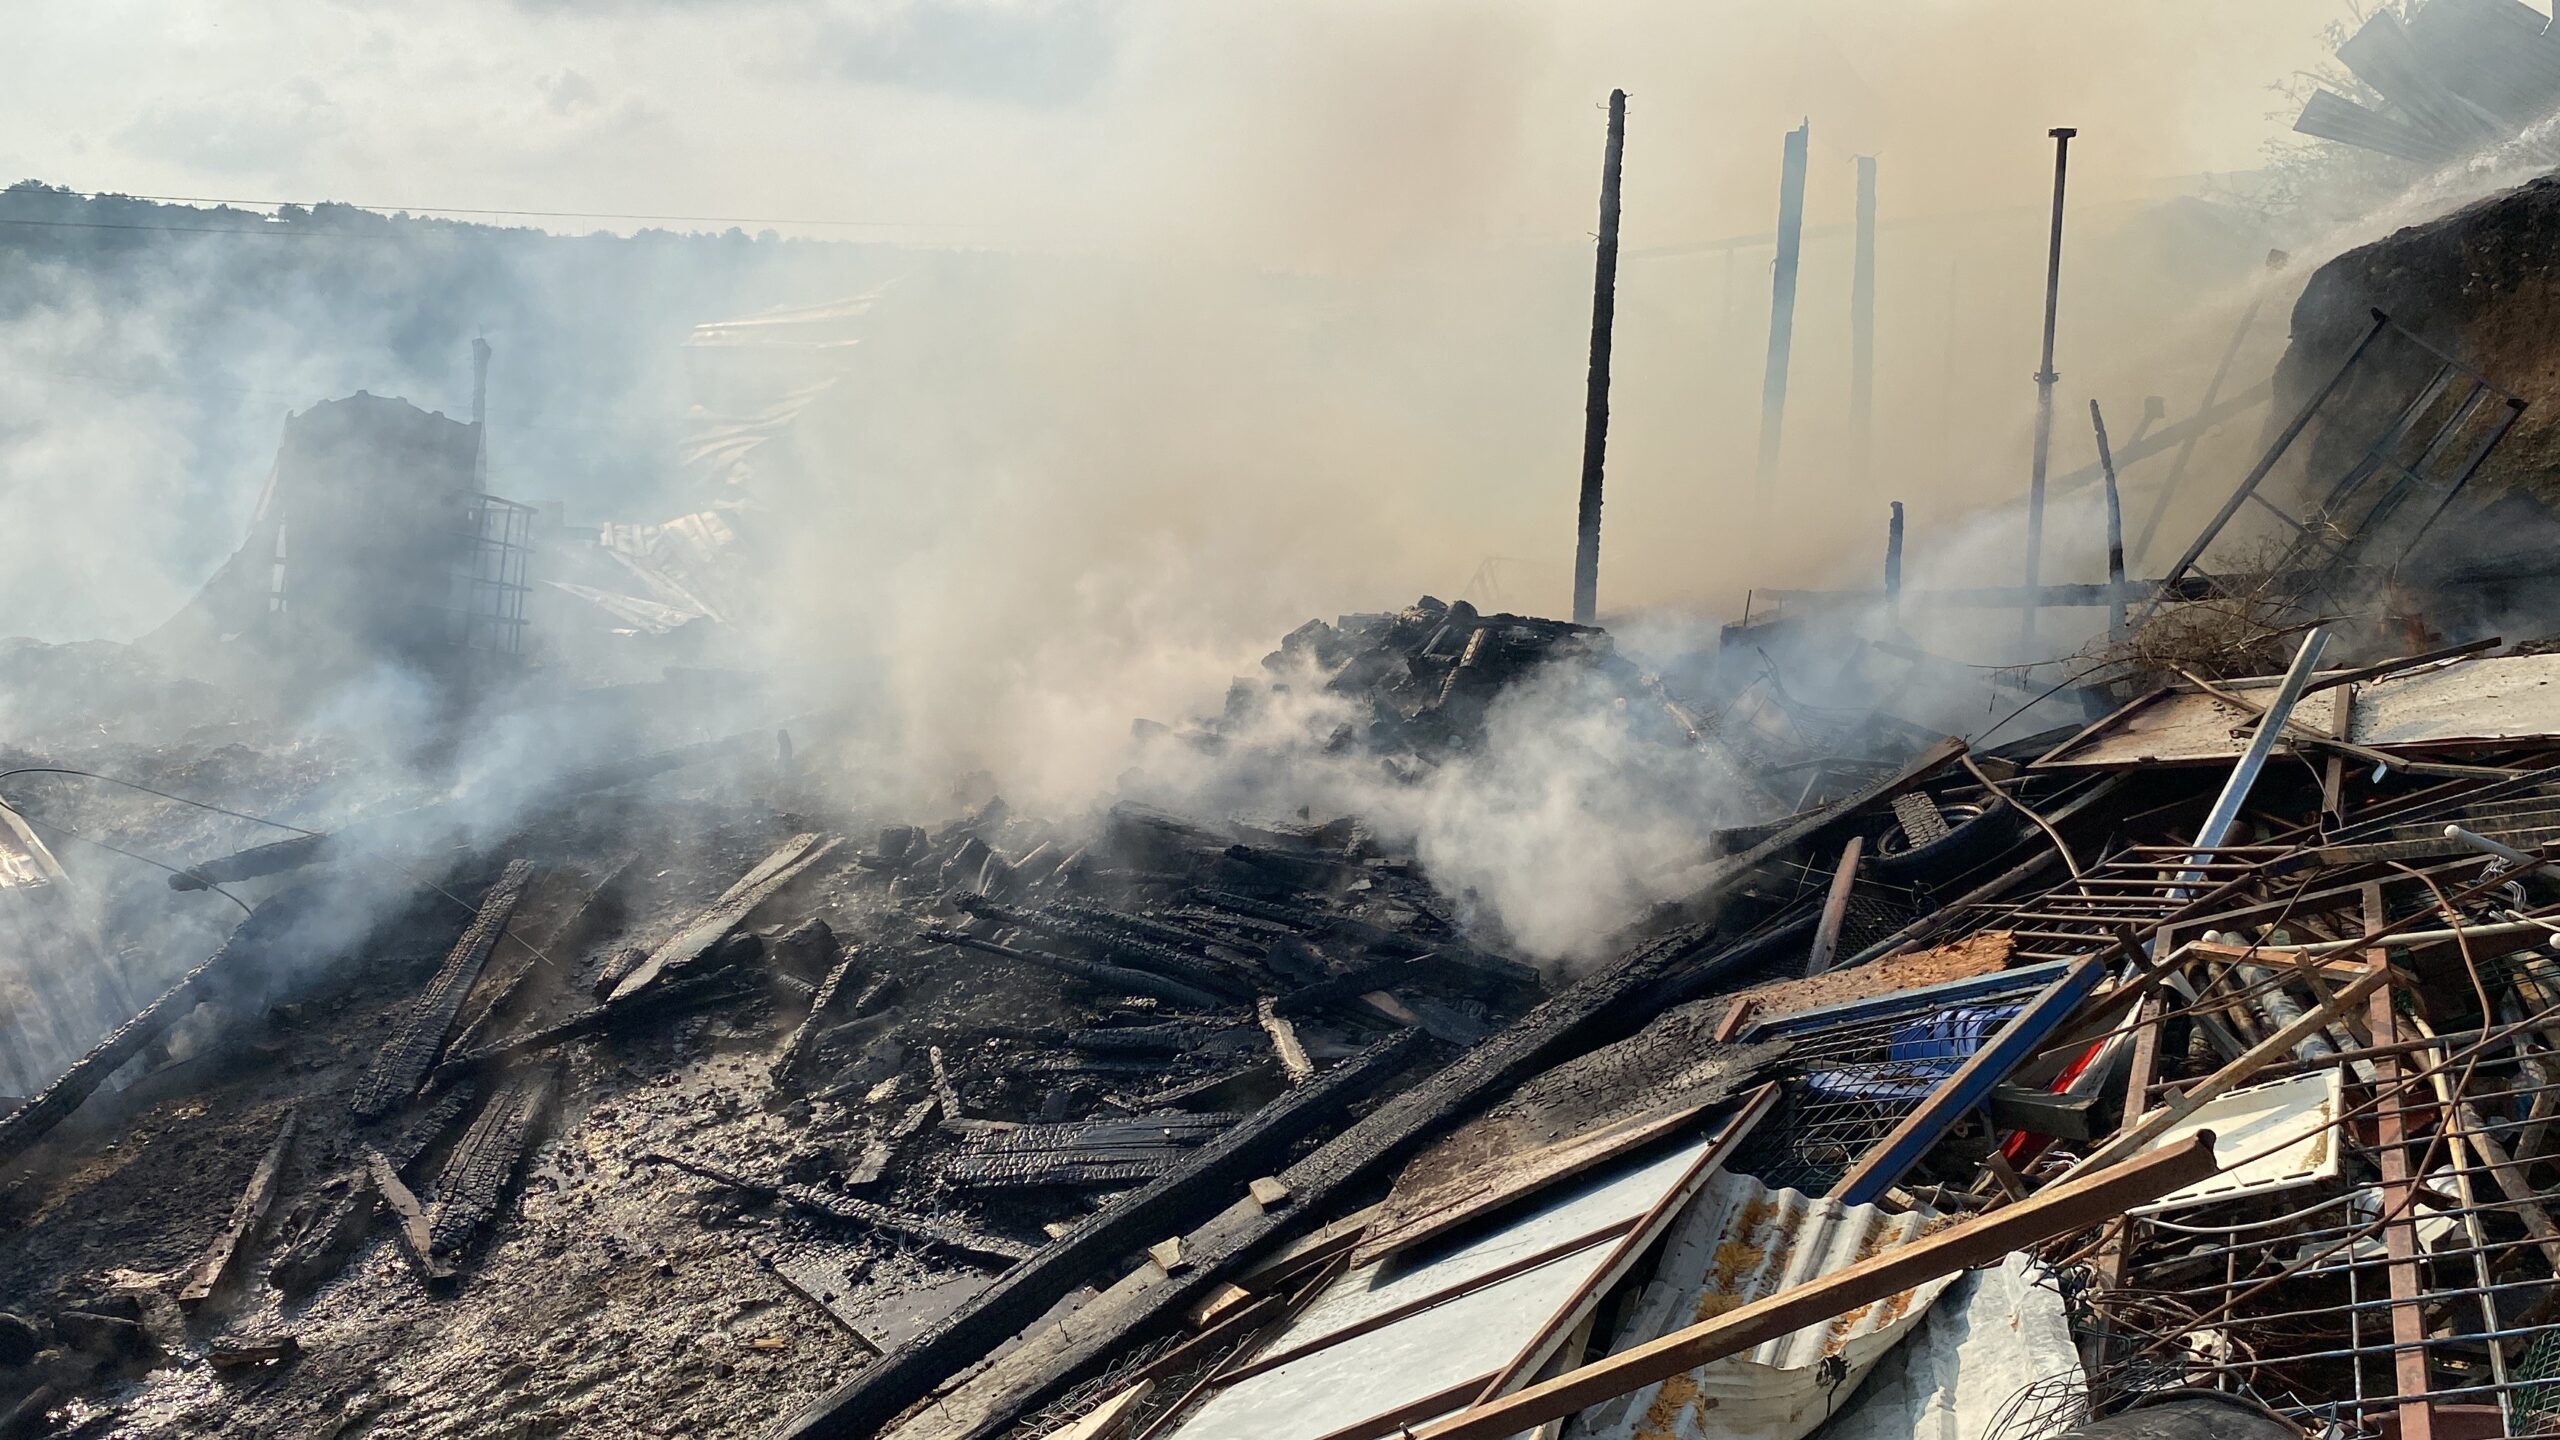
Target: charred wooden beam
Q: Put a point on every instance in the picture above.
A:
(1109, 977)
(1284, 1043)
(701, 988)
(1133, 951)
(1173, 1037)
(419, 1038)
(248, 1215)
(482, 1168)
(1084, 1153)
(727, 915)
(321, 1248)
(804, 1040)
(951, 1235)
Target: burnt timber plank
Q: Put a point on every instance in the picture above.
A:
(1131, 951)
(804, 1039)
(248, 1213)
(1602, 1006)
(1109, 977)
(322, 1248)
(419, 1039)
(873, 1397)
(702, 987)
(933, 1229)
(1084, 1152)
(483, 1164)
(729, 913)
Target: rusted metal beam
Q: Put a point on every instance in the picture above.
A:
(1979, 1239)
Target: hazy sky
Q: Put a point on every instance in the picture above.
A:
(1328, 130)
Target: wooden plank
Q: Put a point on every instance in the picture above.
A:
(1975, 1240)
(2399, 1226)
(729, 913)
(248, 1213)
(418, 1037)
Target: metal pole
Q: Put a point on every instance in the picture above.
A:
(1782, 300)
(1595, 412)
(1862, 326)
(2115, 528)
(2045, 376)
(1893, 564)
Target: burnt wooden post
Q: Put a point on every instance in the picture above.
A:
(1893, 564)
(1782, 300)
(2045, 378)
(1595, 408)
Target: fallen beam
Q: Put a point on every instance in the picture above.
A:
(248, 1213)
(932, 1229)
(1109, 977)
(727, 915)
(404, 1062)
(483, 1165)
(875, 1396)
(1977, 1240)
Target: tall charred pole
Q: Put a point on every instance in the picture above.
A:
(1782, 300)
(1893, 565)
(480, 409)
(1862, 325)
(1595, 410)
(2045, 378)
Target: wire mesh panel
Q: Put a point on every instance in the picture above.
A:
(1857, 1071)
(486, 608)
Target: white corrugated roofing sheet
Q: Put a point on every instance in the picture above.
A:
(1468, 1310)
(1741, 1241)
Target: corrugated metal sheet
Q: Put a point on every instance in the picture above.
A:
(1990, 1336)
(2181, 728)
(1741, 1241)
(1459, 1314)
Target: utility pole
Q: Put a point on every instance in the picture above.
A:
(1862, 326)
(2045, 377)
(1595, 409)
(1782, 300)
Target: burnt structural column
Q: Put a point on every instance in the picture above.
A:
(1782, 300)
(1595, 413)
(2045, 377)
(1862, 326)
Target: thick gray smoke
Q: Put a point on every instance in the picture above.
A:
(1213, 320)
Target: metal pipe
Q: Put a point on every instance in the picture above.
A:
(2045, 376)
(2235, 791)
(1595, 410)
(1782, 300)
